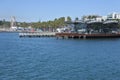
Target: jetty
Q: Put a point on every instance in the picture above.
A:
(85, 36)
(37, 34)
(90, 29)
(67, 35)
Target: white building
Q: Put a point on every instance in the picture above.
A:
(94, 18)
(113, 16)
(104, 18)
(99, 18)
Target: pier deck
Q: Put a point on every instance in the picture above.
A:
(37, 34)
(68, 35)
(80, 36)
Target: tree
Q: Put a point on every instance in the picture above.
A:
(1, 23)
(24, 24)
(76, 19)
(69, 18)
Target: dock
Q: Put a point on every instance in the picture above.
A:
(86, 36)
(68, 35)
(37, 34)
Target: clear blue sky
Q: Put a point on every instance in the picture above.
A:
(35, 10)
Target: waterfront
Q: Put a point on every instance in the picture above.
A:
(58, 59)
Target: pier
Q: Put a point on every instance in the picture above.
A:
(67, 35)
(90, 29)
(37, 34)
(86, 36)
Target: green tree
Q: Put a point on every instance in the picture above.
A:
(76, 19)
(1, 23)
(69, 18)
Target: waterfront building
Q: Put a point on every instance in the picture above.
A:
(113, 16)
(104, 18)
(94, 26)
(101, 18)
(94, 18)
(92, 29)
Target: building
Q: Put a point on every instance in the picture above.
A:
(101, 18)
(93, 18)
(113, 16)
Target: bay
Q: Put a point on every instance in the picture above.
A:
(58, 59)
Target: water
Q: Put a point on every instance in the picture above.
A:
(52, 59)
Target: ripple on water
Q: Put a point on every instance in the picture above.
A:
(52, 59)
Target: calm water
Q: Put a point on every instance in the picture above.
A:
(52, 59)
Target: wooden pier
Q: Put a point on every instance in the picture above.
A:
(36, 34)
(85, 36)
(68, 35)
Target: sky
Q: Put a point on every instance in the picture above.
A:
(44, 10)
